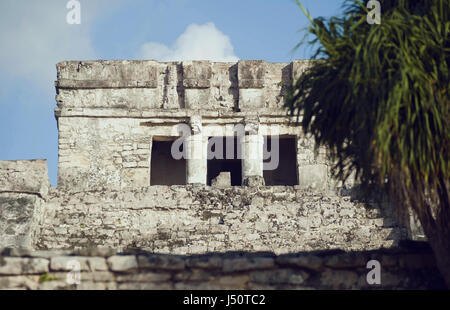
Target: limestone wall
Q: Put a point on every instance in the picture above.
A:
(101, 269)
(24, 176)
(195, 85)
(109, 112)
(198, 219)
(115, 153)
(24, 185)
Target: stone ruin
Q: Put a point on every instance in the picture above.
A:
(118, 119)
(120, 187)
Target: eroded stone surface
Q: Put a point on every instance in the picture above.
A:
(24, 176)
(222, 180)
(200, 219)
(110, 115)
(240, 271)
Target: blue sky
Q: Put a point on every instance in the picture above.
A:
(34, 36)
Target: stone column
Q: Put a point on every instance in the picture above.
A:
(252, 154)
(196, 152)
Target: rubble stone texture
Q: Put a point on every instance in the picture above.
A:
(113, 119)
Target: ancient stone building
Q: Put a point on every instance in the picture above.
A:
(119, 186)
(118, 119)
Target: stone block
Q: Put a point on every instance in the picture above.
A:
(223, 180)
(24, 176)
(253, 181)
(251, 73)
(304, 261)
(340, 279)
(234, 282)
(196, 74)
(18, 282)
(68, 263)
(251, 99)
(18, 214)
(135, 177)
(313, 177)
(144, 277)
(126, 263)
(347, 260)
(107, 74)
(279, 276)
(195, 98)
(298, 67)
(205, 262)
(96, 251)
(163, 262)
(250, 263)
(23, 266)
(144, 286)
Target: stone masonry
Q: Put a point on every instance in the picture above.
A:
(199, 219)
(101, 269)
(119, 188)
(110, 112)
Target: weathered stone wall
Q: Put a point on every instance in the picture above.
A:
(109, 112)
(97, 153)
(194, 85)
(198, 219)
(24, 185)
(103, 153)
(104, 269)
(109, 115)
(24, 176)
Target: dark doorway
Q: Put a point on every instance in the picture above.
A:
(223, 163)
(164, 169)
(286, 171)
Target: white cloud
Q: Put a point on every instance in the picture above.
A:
(198, 42)
(34, 36)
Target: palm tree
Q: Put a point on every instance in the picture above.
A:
(378, 96)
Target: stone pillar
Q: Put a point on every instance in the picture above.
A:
(196, 152)
(252, 154)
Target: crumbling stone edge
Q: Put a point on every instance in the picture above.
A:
(103, 268)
